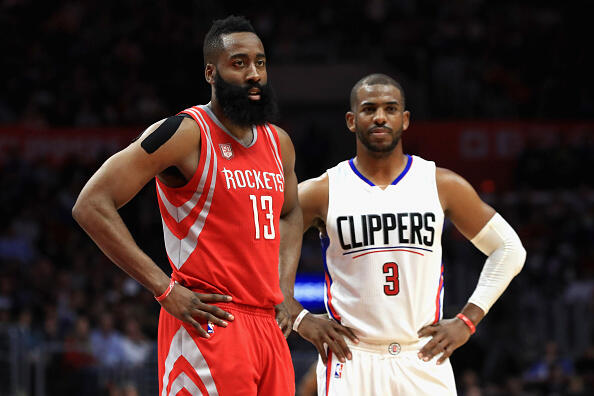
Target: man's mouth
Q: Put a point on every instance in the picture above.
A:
(379, 130)
(254, 93)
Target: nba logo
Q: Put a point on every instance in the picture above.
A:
(338, 370)
(226, 150)
(210, 327)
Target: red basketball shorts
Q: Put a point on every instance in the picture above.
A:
(249, 357)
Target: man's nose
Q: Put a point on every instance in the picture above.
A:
(253, 74)
(379, 117)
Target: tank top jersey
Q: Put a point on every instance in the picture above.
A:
(221, 229)
(382, 255)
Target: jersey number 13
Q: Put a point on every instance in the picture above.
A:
(265, 205)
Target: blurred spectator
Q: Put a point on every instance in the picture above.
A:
(107, 342)
(551, 372)
(135, 345)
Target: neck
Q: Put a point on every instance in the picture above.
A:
(242, 133)
(380, 168)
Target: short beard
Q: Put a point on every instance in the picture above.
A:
(362, 136)
(240, 109)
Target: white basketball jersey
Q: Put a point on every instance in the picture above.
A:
(382, 256)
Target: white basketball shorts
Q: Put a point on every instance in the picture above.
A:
(385, 370)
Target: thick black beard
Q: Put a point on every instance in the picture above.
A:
(240, 109)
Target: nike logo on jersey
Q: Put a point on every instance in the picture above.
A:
(387, 228)
(251, 178)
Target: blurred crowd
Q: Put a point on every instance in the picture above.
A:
(63, 296)
(131, 62)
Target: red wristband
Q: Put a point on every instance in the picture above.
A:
(166, 292)
(467, 322)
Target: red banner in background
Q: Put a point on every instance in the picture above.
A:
(61, 143)
(485, 153)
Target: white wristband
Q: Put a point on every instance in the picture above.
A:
(299, 318)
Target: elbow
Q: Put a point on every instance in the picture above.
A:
(78, 211)
(520, 256)
(82, 211)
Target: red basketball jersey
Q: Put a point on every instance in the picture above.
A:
(221, 229)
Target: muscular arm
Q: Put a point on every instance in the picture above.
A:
(290, 233)
(478, 222)
(117, 181)
(313, 197)
(467, 212)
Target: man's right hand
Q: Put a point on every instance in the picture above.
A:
(320, 330)
(187, 305)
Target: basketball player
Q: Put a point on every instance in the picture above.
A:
(227, 194)
(380, 217)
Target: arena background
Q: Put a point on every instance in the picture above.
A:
(500, 92)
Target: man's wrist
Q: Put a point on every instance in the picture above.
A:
(161, 285)
(467, 322)
(299, 318)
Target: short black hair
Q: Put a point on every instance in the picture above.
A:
(213, 42)
(375, 79)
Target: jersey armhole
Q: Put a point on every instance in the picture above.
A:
(191, 185)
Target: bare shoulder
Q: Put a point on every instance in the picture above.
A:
(449, 179)
(452, 188)
(187, 130)
(313, 198)
(317, 185)
(283, 137)
(281, 131)
(461, 203)
(171, 142)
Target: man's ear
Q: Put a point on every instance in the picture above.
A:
(209, 73)
(350, 121)
(405, 120)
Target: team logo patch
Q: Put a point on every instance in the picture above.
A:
(394, 348)
(226, 150)
(338, 370)
(210, 327)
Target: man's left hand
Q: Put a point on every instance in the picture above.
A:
(283, 319)
(447, 336)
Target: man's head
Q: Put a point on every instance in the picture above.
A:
(235, 66)
(377, 113)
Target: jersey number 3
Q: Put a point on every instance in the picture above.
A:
(266, 206)
(392, 286)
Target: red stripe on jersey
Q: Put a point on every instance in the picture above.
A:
(328, 371)
(389, 250)
(438, 298)
(329, 297)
